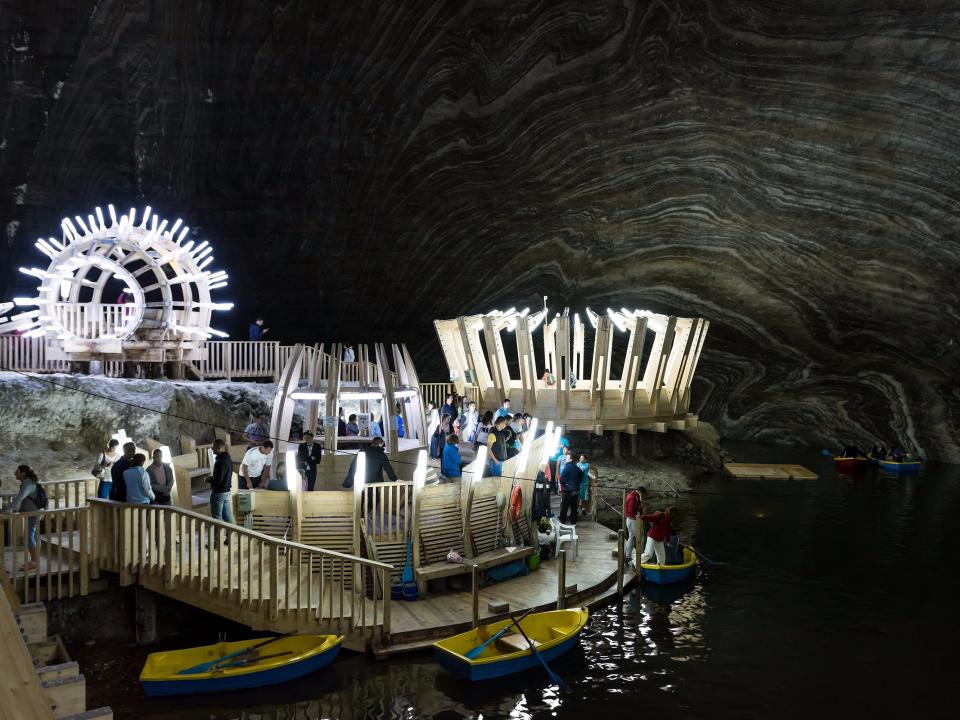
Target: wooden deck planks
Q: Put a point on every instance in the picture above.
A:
(769, 471)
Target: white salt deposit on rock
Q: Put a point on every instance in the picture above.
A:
(57, 423)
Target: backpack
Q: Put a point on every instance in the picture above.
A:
(40, 498)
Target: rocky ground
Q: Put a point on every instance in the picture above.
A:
(58, 423)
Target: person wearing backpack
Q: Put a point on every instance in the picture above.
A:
(31, 498)
(101, 468)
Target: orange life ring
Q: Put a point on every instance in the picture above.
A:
(516, 502)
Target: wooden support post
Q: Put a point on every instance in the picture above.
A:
(562, 581)
(616, 444)
(633, 444)
(145, 612)
(475, 585)
(620, 564)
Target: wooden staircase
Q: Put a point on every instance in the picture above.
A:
(38, 681)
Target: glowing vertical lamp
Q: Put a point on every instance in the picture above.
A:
(530, 435)
(360, 475)
(481, 463)
(547, 435)
(290, 468)
(165, 455)
(420, 474)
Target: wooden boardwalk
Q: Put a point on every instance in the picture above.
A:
(418, 623)
(769, 471)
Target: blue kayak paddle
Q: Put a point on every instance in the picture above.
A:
(474, 653)
(205, 666)
(554, 678)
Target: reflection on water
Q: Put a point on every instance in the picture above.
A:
(838, 602)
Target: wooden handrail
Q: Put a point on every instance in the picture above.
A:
(240, 530)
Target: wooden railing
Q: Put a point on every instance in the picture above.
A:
(92, 320)
(62, 552)
(242, 359)
(260, 580)
(435, 393)
(69, 493)
(28, 355)
(388, 510)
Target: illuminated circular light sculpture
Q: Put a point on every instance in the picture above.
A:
(651, 391)
(164, 289)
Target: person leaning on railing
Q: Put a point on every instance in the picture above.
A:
(29, 499)
(102, 465)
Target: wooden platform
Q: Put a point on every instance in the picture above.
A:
(417, 624)
(768, 471)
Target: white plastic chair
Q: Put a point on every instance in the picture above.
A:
(565, 534)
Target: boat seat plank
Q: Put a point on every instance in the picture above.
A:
(515, 642)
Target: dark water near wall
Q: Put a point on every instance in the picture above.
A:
(839, 601)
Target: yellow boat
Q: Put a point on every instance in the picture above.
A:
(554, 632)
(237, 665)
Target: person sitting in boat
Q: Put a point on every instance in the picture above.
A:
(851, 451)
(661, 528)
(879, 451)
(898, 456)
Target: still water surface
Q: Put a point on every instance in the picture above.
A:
(839, 600)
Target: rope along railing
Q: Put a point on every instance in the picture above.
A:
(261, 579)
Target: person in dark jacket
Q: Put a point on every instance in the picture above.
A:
(570, 478)
(377, 463)
(118, 490)
(221, 482)
(309, 455)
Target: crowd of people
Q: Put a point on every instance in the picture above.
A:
(503, 433)
(879, 451)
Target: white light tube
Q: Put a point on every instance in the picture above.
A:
(481, 463)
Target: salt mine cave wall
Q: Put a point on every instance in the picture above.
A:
(788, 170)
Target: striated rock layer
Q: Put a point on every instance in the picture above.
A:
(787, 170)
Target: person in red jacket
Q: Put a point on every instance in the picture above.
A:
(661, 528)
(633, 509)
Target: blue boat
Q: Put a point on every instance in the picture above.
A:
(553, 632)
(237, 665)
(668, 574)
(908, 466)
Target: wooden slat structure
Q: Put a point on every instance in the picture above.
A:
(769, 471)
(240, 574)
(651, 395)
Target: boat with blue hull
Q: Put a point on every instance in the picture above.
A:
(554, 633)
(669, 574)
(237, 665)
(908, 466)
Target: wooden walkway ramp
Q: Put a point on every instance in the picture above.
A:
(769, 471)
(243, 575)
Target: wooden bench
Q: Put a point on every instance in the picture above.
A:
(487, 548)
(391, 552)
(439, 527)
(327, 521)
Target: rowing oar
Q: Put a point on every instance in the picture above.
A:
(250, 661)
(474, 653)
(554, 678)
(205, 666)
(704, 557)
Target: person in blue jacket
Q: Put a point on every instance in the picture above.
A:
(451, 465)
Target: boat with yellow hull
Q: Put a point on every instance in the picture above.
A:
(244, 664)
(554, 632)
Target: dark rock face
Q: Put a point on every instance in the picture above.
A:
(787, 170)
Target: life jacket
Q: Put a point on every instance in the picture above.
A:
(516, 502)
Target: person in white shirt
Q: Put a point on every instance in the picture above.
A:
(256, 461)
